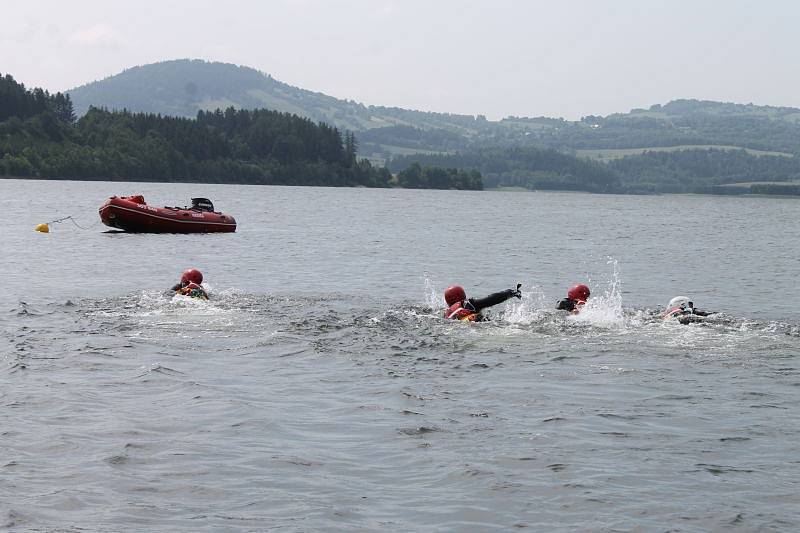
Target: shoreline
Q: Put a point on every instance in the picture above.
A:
(487, 189)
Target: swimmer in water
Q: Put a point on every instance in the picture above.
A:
(682, 308)
(190, 284)
(575, 300)
(469, 310)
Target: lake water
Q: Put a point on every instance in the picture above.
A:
(319, 391)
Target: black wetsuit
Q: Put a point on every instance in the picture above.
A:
(693, 315)
(567, 304)
(493, 299)
(476, 305)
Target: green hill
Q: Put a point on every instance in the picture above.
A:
(684, 146)
(184, 87)
(688, 122)
(702, 143)
(40, 138)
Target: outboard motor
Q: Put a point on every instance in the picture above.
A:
(202, 204)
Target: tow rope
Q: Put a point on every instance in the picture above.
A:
(45, 226)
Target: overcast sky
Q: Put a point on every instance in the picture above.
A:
(528, 58)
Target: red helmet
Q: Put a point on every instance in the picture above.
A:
(192, 276)
(454, 294)
(579, 293)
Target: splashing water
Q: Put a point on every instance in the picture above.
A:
(160, 304)
(605, 309)
(432, 294)
(531, 308)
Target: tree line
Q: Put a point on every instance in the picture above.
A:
(40, 138)
(16, 101)
(700, 171)
(681, 171)
(419, 177)
(528, 167)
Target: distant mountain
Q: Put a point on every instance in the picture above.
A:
(683, 146)
(184, 87)
(689, 122)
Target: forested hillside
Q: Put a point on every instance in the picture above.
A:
(700, 170)
(39, 138)
(16, 101)
(184, 87)
(682, 171)
(527, 167)
(644, 151)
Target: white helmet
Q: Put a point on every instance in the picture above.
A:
(679, 301)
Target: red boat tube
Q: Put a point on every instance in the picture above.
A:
(131, 213)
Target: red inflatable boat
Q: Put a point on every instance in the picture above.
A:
(131, 213)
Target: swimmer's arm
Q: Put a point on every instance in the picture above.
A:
(492, 299)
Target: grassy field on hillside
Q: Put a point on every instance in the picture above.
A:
(610, 154)
(750, 183)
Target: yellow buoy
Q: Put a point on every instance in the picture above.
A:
(43, 228)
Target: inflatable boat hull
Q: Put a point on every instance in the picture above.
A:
(132, 214)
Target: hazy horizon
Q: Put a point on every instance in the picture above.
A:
(526, 59)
